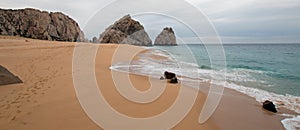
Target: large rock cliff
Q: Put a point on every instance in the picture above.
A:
(32, 23)
(126, 31)
(166, 38)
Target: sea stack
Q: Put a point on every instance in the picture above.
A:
(32, 23)
(126, 31)
(166, 38)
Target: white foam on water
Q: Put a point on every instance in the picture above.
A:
(287, 101)
(291, 123)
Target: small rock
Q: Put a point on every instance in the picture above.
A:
(169, 75)
(268, 105)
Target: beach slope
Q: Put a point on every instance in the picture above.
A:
(47, 100)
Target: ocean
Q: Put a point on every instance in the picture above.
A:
(263, 71)
(270, 67)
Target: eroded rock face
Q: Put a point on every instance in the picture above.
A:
(126, 31)
(32, 23)
(166, 38)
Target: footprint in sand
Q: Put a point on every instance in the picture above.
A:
(14, 118)
(7, 106)
(33, 90)
(25, 94)
(14, 102)
(19, 111)
(24, 123)
(2, 106)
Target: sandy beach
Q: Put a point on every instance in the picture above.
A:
(47, 100)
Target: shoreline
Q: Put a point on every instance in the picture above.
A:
(47, 98)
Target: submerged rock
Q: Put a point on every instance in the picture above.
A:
(32, 23)
(268, 105)
(126, 31)
(166, 38)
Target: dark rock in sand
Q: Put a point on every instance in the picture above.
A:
(126, 31)
(7, 77)
(174, 80)
(169, 75)
(166, 38)
(32, 23)
(268, 105)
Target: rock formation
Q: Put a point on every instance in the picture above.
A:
(169, 75)
(32, 23)
(166, 38)
(268, 105)
(94, 40)
(7, 77)
(126, 31)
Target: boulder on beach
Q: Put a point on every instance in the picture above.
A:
(268, 105)
(169, 75)
(33, 23)
(126, 31)
(6, 77)
(166, 38)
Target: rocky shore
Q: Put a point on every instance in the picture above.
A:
(33, 23)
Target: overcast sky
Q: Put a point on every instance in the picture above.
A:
(246, 21)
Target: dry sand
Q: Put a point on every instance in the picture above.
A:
(47, 100)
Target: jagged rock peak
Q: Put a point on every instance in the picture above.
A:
(33, 23)
(126, 31)
(166, 38)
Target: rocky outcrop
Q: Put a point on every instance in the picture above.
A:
(126, 31)
(32, 23)
(94, 40)
(7, 77)
(166, 38)
(268, 105)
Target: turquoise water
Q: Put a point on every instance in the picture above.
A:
(270, 67)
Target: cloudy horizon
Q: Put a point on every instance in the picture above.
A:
(246, 21)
